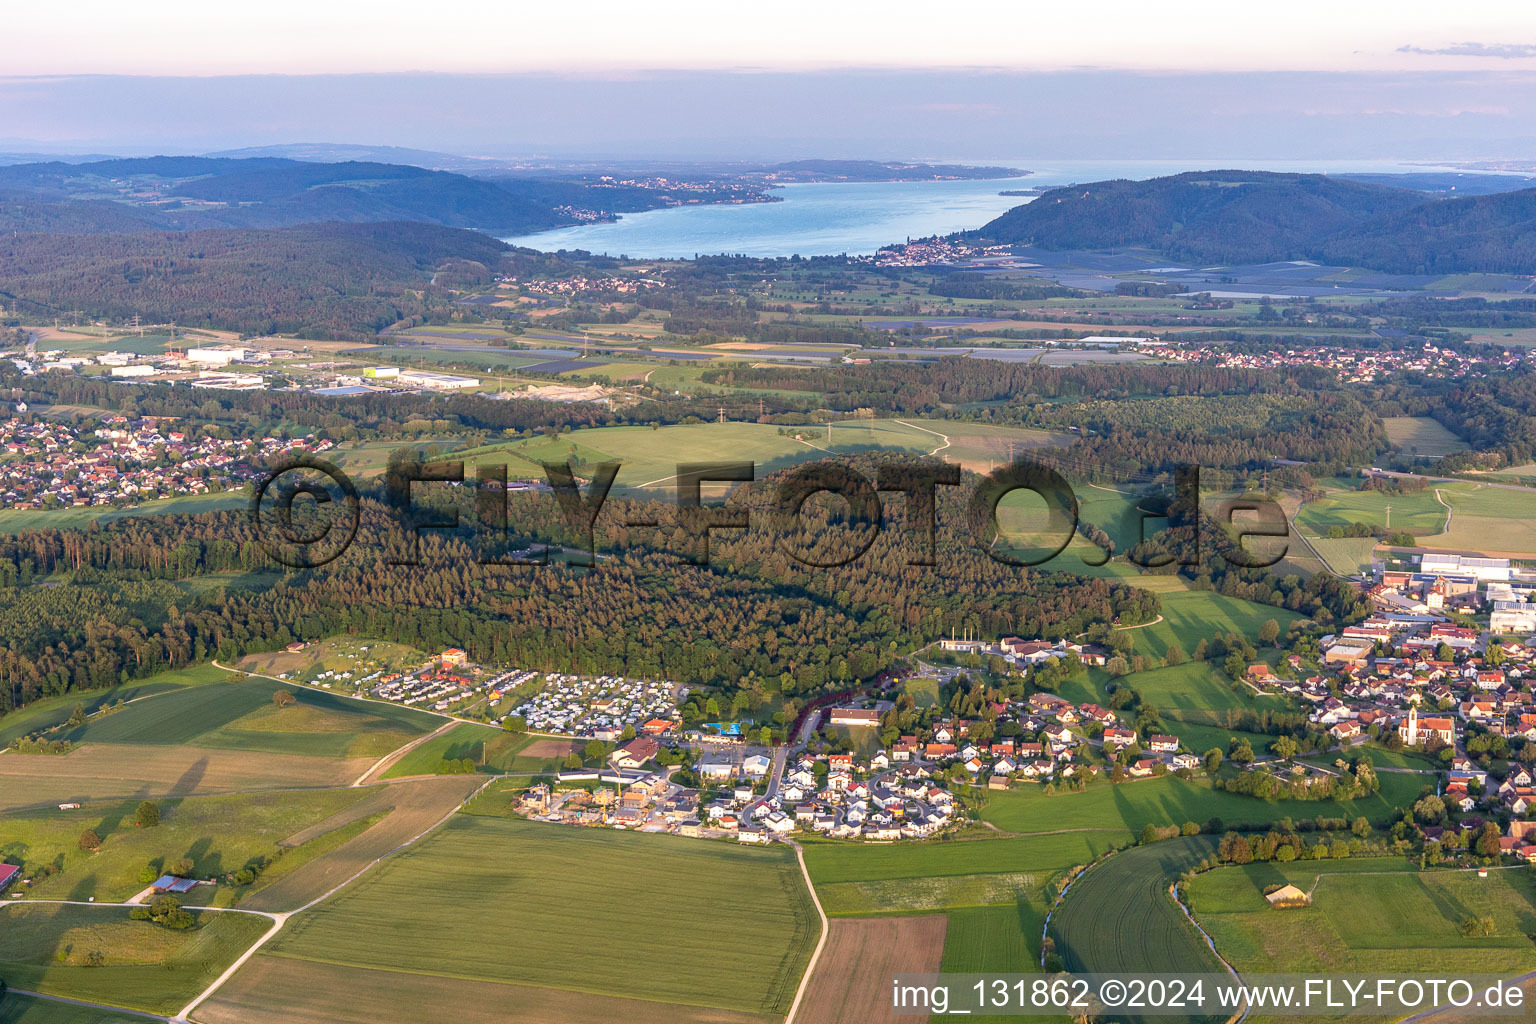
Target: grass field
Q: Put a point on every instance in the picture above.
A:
(14, 520)
(1129, 806)
(53, 711)
(364, 460)
(1422, 435)
(1196, 685)
(649, 457)
(1190, 616)
(856, 879)
(832, 862)
(1119, 918)
(1375, 916)
(49, 949)
(1487, 519)
(104, 771)
(536, 922)
(1002, 938)
(1200, 735)
(1346, 556)
(461, 741)
(19, 1009)
(1418, 512)
(220, 834)
(242, 716)
(995, 940)
(408, 809)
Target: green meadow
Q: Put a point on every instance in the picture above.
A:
(509, 883)
(97, 954)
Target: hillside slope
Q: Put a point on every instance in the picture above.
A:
(1474, 234)
(1205, 216)
(189, 193)
(321, 280)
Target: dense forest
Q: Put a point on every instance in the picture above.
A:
(643, 609)
(341, 281)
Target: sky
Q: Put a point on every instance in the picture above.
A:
(194, 37)
(978, 80)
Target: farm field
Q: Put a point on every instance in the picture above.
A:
(19, 1009)
(219, 834)
(851, 983)
(142, 966)
(281, 990)
(522, 754)
(1418, 512)
(1000, 940)
(1487, 519)
(1383, 916)
(364, 460)
(52, 711)
(408, 809)
(1119, 917)
(103, 771)
(831, 862)
(242, 716)
(1422, 435)
(924, 877)
(537, 923)
(1130, 806)
(1346, 556)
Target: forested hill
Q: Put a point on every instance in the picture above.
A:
(189, 193)
(1474, 234)
(1224, 216)
(343, 281)
(1255, 216)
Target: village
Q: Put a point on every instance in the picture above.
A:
(1408, 678)
(52, 464)
(1418, 675)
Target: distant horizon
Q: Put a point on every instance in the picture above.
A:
(929, 115)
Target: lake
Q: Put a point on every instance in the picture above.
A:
(857, 218)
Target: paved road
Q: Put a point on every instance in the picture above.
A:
(776, 773)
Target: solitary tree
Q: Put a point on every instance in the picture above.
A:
(89, 840)
(147, 815)
(283, 698)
